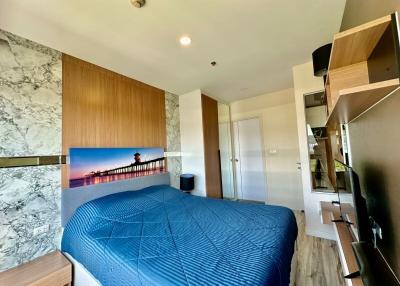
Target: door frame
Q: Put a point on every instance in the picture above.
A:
(264, 165)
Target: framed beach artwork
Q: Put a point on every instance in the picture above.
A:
(89, 166)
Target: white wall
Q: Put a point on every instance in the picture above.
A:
(358, 12)
(305, 82)
(192, 141)
(278, 117)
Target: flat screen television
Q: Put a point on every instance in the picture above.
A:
(364, 212)
(353, 207)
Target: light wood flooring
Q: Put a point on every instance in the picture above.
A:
(318, 261)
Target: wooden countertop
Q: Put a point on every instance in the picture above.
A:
(49, 270)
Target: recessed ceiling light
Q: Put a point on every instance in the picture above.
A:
(185, 41)
(138, 3)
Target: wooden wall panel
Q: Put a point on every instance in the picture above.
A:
(101, 108)
(211, 147)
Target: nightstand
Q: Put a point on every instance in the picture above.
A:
(187, 183)
(52, 269)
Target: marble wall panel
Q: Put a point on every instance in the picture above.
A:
(30, 124)
(173, 137)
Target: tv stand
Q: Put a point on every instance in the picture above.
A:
(331, 215)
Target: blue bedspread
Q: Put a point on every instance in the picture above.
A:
(161, 236)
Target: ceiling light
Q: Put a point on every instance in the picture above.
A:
(138, 3)
(185, 41)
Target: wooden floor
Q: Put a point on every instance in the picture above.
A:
(317, 259)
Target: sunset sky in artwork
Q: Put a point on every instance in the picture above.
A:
(86, 160)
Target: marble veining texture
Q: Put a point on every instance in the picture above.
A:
(29, 198)
(30, 98)
(30, 124)
(173, 137)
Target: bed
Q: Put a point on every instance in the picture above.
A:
(161, 236)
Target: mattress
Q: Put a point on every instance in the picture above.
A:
(161, 236)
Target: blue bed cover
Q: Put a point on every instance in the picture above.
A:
(161, 236)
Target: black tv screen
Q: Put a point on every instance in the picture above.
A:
(375, 156)
(365, 209)
(352, 204)
(383, 205)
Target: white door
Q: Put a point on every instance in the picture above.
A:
(250, 174)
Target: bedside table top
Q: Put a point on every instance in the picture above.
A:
(51, 269)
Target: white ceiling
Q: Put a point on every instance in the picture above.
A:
(254, 42)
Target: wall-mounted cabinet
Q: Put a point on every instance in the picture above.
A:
(364, 68)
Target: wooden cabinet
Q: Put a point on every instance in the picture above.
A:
(364, 68)
(53, 269)
(211, 147)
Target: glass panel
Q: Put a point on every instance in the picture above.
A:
(318, 144)
(225, 147)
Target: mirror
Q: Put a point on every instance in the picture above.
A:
(225, 147)
(319, 147)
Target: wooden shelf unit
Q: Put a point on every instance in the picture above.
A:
(363, 69)
(356, 45)
(354, 101)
